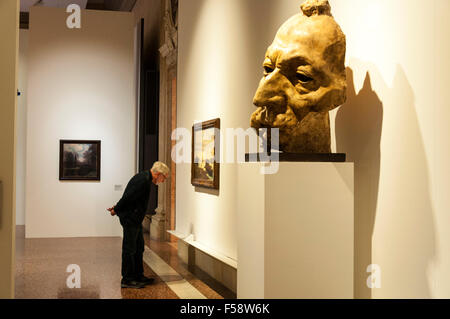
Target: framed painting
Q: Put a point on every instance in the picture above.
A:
(79, 160)
(205, 171)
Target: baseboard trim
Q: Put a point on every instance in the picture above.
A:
(221, 268)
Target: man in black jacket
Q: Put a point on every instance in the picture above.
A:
(131, 210)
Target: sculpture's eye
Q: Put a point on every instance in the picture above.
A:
(268, 69)
(304, 78)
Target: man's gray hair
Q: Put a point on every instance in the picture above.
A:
(160, 167)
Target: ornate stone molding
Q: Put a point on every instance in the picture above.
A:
(170, 46)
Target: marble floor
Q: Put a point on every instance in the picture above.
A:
(41, 270)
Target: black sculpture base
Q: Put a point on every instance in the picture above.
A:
(295, 157)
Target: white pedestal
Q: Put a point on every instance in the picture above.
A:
(295, 231)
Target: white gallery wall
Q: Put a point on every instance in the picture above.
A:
(81, 85)
(394, 126)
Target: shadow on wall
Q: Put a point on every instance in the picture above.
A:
(404, 244)
(358, 133)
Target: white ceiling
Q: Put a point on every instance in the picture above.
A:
(26, 4)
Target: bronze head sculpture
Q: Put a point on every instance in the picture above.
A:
(304, 78)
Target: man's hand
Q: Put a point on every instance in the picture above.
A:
(111, 210)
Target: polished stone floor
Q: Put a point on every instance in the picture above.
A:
(41, 271)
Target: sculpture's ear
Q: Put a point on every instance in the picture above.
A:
(329, 98)
(334, 54)
(341, 97)
(335, 57)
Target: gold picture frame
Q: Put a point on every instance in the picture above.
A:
(205, 167)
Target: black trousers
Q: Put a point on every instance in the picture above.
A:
(132, 250)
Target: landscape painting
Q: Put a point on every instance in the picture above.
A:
(205, 148)
(79, 160)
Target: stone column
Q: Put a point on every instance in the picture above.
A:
(168, 62)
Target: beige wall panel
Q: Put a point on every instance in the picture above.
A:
(9, 44)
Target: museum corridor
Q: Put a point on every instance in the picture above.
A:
(240, 149)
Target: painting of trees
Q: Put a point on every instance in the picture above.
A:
(79, 160)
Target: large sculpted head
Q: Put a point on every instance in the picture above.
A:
(304, 78)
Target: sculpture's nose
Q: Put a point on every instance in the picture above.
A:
(271, 92)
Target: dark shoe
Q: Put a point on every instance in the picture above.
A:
(132, 284)
(145, 280)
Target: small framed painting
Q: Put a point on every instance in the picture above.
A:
(205, 168)
(79, 160)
